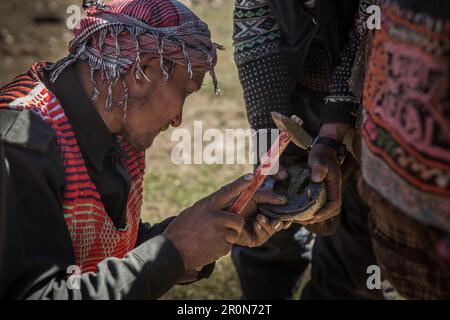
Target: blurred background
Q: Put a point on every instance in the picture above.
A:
(36, 31)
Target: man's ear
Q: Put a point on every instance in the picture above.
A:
(145, 71)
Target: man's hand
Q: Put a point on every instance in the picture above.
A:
(325, 167)
(258, 228)
(205, 232)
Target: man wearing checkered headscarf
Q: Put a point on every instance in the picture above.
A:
(73, 135)
(113, 36)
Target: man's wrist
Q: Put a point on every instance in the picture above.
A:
(173, 241)
(335, 131)
(334, 144)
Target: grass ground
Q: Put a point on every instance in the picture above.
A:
(169, 188)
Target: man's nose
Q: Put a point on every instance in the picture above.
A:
(176, 122)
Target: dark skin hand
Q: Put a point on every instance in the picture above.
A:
(205, 231)
(324, 166)
(258, 228)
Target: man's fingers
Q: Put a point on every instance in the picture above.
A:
(261, 235)
(232, 236)
(287, 225)
(276, 225)
(231, 220)
(333, 205)
(264, 223)
(222, 197)
(323, 218)
(329, 210)
(269, 226)
(269, 196)
(334, 189)
(319, 169)
(224, 250)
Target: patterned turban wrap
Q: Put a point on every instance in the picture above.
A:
(113, 36)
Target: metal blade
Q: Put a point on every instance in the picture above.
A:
(293, 126)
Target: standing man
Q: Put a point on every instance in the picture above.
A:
(289, 55)
(73, 136)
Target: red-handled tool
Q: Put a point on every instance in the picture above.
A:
(270, 159)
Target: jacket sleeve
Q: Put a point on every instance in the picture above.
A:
(36, 248)
(148, 231)
(263, 71)
(342, 105)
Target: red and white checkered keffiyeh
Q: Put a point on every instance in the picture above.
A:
(112, 37)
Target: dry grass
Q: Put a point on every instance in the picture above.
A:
(169, 188)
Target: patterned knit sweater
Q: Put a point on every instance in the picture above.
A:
(264, 70)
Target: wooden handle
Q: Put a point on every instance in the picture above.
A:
(267, 163)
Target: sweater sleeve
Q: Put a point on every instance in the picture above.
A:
(263, 71)
(342, 105)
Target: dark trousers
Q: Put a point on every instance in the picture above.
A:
(339, 262)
